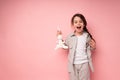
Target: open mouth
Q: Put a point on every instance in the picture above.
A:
(79, 27)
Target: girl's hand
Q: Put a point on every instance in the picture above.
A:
(59, 32)
(92, 44)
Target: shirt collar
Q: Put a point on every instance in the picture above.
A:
(73, 34)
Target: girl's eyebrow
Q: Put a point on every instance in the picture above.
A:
(76, 20)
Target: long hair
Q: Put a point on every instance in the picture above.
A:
(84, 22)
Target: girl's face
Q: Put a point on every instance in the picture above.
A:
(78, 24)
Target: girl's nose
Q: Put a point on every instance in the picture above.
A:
(78, 24)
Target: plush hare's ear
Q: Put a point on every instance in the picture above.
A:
(58, 28)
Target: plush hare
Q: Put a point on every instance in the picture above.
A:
(60, 42)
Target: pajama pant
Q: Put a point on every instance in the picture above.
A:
(81, 72)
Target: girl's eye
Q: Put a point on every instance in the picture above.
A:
(75, 22)
(81, 21)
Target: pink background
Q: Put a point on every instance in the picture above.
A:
(28, 38)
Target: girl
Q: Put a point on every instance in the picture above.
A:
(80, 43)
